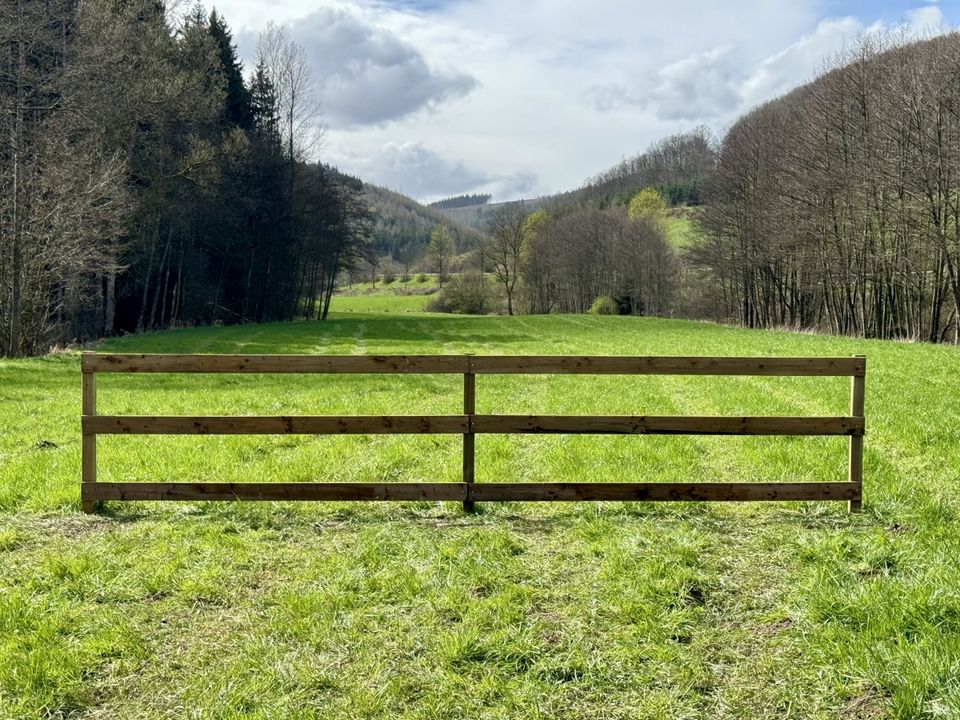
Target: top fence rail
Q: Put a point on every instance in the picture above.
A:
(475, 364)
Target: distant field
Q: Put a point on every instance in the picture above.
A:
(379, 303)
(394, 297)
(521, 611)
(680, 227)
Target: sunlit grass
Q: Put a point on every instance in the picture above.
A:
(416, 610)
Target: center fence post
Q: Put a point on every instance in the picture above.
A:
(469, 439)
(855, 474)
(88, 448)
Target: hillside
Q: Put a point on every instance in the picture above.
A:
(678, 166)
(402, 226)
(477, 217)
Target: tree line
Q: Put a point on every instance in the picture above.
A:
(461, 201)
(570, 257)
(603, 247)
(146, 183)
(836, 207)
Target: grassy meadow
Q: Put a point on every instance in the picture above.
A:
(416, 610)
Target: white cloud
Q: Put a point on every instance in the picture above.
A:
(415, 170)
(700, 86)
(366, 74)
(535, 96)
(418, 171)
(923, 20)
(798, 62)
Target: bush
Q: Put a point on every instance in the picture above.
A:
(468, 294)
(421, 277)
(603, 305)
(389, 276)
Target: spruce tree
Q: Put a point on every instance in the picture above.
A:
(237, 110)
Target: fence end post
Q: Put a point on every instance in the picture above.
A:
(469, 439)
(88, 448)
(855, 468)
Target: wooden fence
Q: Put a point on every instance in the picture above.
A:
(469, 424)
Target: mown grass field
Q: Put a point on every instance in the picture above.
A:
(416, 610)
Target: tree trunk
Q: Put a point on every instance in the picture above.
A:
(16, 300)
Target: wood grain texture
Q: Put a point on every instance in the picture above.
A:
(310, 364)
(855, 466)
(664, 491)
(276, 491)
(468, 425)
(469, 439)
(88, 441)
(631, 365)
(276, 425)
(666, 425)
(480, 364)
(481, 491)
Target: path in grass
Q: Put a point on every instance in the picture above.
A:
(415, 610)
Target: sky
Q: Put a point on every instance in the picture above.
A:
(519, 98)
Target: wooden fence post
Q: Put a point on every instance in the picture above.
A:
(469, 439)
(855, 475)
(88, 460)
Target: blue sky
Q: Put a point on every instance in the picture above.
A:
(870, 10)
(436, 98)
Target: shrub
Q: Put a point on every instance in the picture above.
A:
(467, 294)
(603, 305)
(389, 276)
(421, 277)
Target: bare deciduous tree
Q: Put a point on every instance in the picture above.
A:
(507, 239)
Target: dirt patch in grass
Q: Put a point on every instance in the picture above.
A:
(775, 627)
(68, 527)
(870, 704)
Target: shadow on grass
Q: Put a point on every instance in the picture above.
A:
(290, 336)
(521, 517)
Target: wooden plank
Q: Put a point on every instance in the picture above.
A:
(132, 363)
(481, 491)
(276, 425)
(469, 439)
(664, 491)
(464, 424)
(509, 364)
(627, 365)
(276, 491)
(855, 470)
(666, 425)
(88, 442)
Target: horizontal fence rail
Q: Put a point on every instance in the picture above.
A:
(469, 424)
(476, 364)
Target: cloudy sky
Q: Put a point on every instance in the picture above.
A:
(526, 97)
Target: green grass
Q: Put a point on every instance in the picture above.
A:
(396, 297)
(415, 610)
(379, 302)
(681, 228)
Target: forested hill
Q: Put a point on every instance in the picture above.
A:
(677, 166)
(478, 215)
(402, 226)
(461, 201)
